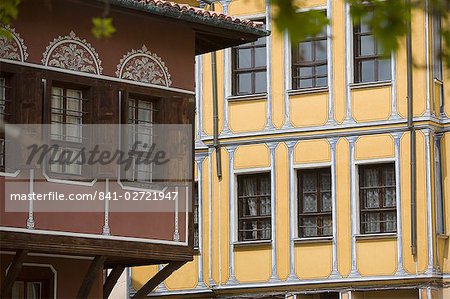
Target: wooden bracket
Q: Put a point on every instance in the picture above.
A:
(157, 279)
(89, 279)
(111, 280)
(13, 273)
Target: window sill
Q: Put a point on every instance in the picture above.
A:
(294, 92)
(255, 96)
(370, 84)
(252, 243)
(386, 236)
(327, 239)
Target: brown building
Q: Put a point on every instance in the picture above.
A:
(53, 71)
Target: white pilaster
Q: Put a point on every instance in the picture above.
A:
(292, 230)
(199, 160)
(273, 191)
(430, 250)
(334, 270)
(400, 268)
(231, 202)
(353, 205)
(30, 220)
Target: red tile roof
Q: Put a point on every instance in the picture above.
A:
(185, 8)
(194, 14)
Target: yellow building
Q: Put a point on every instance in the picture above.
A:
(314, 200)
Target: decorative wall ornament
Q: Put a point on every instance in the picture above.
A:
(13, 48)
(143, 66)
(72, 53)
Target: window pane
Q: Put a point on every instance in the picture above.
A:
(384, 70)
(321, 82)
(266, 230)
(326, 201)
(306, 51)
(244, 58)
(260, 57)
(372, 221)
(305, 72)
(305, 83)
(309, 202)
(260, 82)
(321, 50)
(309, 226)
(390, 221)
(321, 70)
(364, 23)
(367, 45)
(244, 83)
(327, 226)
(367, 71)
(33, 290)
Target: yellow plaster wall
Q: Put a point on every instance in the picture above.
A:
(338, 43)
(251, 156)
(140, 275)
(409, 262)
(371, 104)
(220, 223)
(205, 219)
(401, 70)
(312, 151)
(253, 264)
(313, 260)
(310, 3)
(207, 93)
(374, 147)
(247, 7)
(419, 52)
(445, 148)
(376, 257)
(343, 206)
(184, 278)
(278, 60)
(309, 109)
(282, 196)
(247, 116)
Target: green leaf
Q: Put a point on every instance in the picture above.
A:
(102, 27)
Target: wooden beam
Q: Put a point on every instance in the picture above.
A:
(13, 272)
(157, 279)
(89, 279)
(111, 280)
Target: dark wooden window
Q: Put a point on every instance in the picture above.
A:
(254, 207)
(309, 62)
(196, 216)
(141, 113)
(67, 113)
(249, 68)
(378, 211)
(314, 205)
(370, 65)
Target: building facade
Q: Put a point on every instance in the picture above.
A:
(314, 198)
(54, 72)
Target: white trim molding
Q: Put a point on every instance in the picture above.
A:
(73, 53)
(143, 66)
(13, 48)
